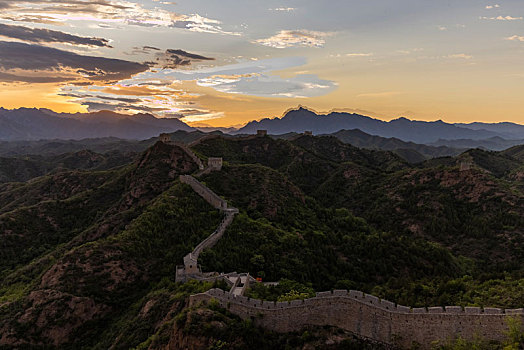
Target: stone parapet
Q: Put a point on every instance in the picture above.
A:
(370, 317)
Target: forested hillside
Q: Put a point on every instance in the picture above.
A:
(88, 256)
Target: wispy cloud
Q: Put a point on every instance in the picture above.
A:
(291, 38)
(502, 18)
(248, 78)
(165, 92)
(410, 51)
(352, 55)
(36, 35)
(515, 38)
(163, 100)
(283, 9)
(368, 54)
(107, 13)
(489, 7)
(461, 56)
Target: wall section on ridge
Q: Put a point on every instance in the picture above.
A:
(369, 317)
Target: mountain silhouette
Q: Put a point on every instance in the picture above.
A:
(37, 124)
(302, 119)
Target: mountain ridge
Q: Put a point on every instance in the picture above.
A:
(37, 124)
(303, 119)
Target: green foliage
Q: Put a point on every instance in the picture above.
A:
(315, 214)
(515, 334)
(285, 290)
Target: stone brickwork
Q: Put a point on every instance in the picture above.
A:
(212, 239)
(215, 163)
(191, 268)
(191, 154)
(204, 192)
(369, 317)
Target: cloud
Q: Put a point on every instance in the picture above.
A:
(442, 28)
(290, 38)
(368, 54)
(14, 78)
(37, 35)
(283, 9)
(173, 58)
(352, 55)
(170, 58)
(27, 60)
(489, 7)
(164, 101)
(502, 18)
(249, 78)
(409, 51)
(107, 13)
(515, 38)
(459, 56)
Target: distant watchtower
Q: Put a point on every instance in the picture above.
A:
(261, 133)
(465, 166)
(308, 133)
(165, 138)
(214, 163)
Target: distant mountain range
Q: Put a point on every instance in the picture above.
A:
(40, 124)
(496, 143)
(413, 140)
(302, 119)
(412, 152)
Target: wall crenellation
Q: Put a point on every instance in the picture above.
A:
(211, 197)
(370, 300)
(370, 317)
(191, 268)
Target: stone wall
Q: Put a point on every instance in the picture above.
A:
(212, 239)
(191, 154)
(370, 317)
(204, 192)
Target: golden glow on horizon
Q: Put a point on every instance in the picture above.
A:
(240, 109)
(456, 94)
(37, 96)
(213, 62)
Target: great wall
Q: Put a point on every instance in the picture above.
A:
(364, 315)
(369, 317)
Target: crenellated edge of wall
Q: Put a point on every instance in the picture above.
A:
(357, 296)
(210, 196)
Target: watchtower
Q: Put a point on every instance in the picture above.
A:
(261, 133)
(308, 133)
(165, 138)
(465, 165)
(215, 163)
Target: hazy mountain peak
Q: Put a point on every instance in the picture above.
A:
(35, 124)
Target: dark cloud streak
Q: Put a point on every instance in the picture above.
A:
(47, 60)
(12, 78)
(37, 35)
(173, 58)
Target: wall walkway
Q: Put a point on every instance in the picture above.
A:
(370, 317)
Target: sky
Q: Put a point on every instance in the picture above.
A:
(226, 62)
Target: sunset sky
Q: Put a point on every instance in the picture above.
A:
(225, 62)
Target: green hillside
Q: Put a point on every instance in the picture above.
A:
(88, 257)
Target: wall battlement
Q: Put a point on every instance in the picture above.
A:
(210, 196)
(191, 268)
(191, 154)
(369, 317)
